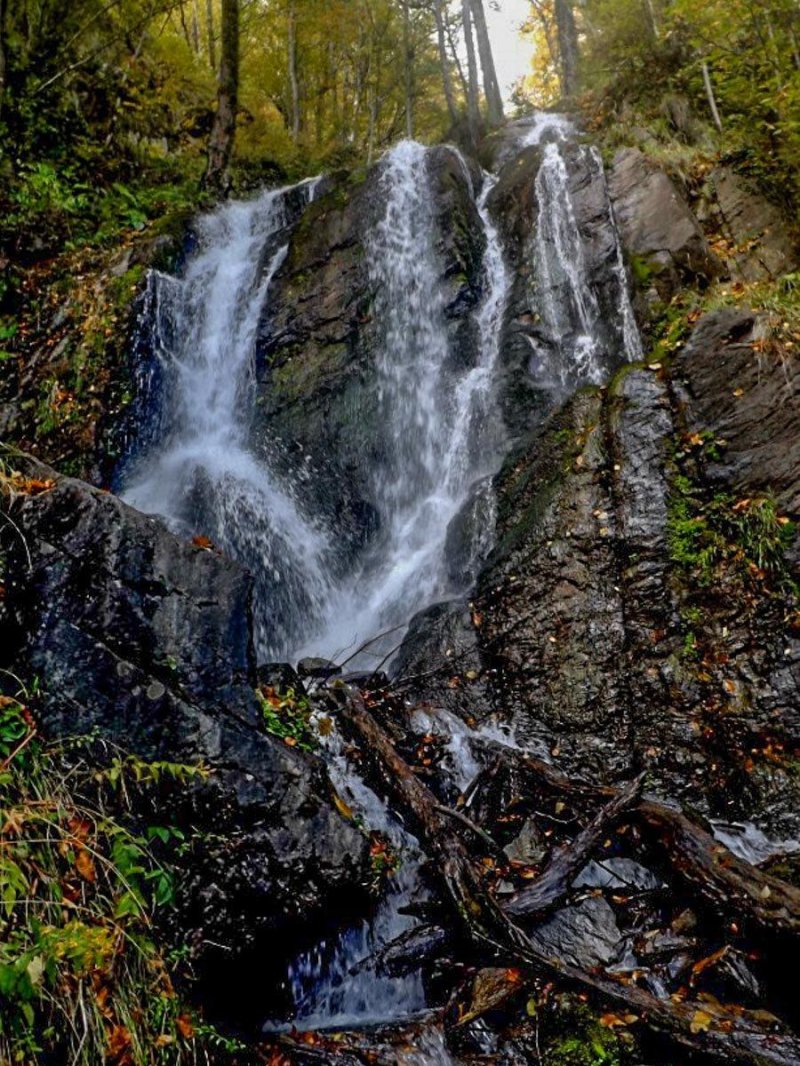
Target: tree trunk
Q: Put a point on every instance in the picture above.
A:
(212, 44)
(447, 81)
(408, 70)
(494, 100)
(223, 132)
(712, 100)
(478, 918)
(473, 114)
(195, 28)
(455, 60)
(652, 18)
(567, 46)
(293, 83)
(2, 52)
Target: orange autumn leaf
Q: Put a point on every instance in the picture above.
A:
(183, 1023)
(119, 1046)
(85, 866)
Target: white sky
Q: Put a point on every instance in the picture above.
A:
(512, 55)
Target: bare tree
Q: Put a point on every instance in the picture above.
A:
(212, 42)
(447, 81)
(408, 69)
(293, 82)
(712, 100)
(223, 132)
(473, 114)
(567, 46)
(494, 100)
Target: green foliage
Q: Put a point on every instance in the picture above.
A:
(82, 978)
(639, 54)
(573, 1036)
(288, 716)
(749, 534)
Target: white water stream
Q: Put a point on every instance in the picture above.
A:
(582, 339)
(441, 426)
(199, 474)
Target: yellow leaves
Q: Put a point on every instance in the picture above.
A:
(701, 1022)
(618, 1021)
(17, 484)
(185, 1026)
(85, 866)
(342, 807)
(119, 1046)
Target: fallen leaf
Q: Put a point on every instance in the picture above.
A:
(183, 1023)
(701, 1022)
(85, 866)
(342, 807)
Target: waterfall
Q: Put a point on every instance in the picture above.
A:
(195, 468)
(333, 985)
(582, 341)
(442, 443)
(442, 430)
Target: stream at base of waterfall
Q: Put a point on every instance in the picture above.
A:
(443, 437)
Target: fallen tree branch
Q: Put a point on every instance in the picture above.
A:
(549, 890)
(733, 1036)
(730, 885)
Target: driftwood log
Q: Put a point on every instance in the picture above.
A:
(493, 932)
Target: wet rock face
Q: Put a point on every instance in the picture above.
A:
(760, 244)
(550, 609)
(657, 225)
(608, 652)
(147, 640)
(319, 413)
(734, 385)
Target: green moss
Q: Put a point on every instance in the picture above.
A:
(573, 1036)
(642, 270)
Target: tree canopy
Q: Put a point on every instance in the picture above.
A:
(738, 58)
(104, 101)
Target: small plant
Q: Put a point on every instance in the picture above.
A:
(287, 715)
(703, 534)
(82, 978)
(383, 860)
(690, 651)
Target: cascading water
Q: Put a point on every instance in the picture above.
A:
(441, 429)
(444, 435)
(333, 984)
(197, 470)
(582, 340)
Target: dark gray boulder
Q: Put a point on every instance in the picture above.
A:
(739, 387)
(657, 225)
(146, 641)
